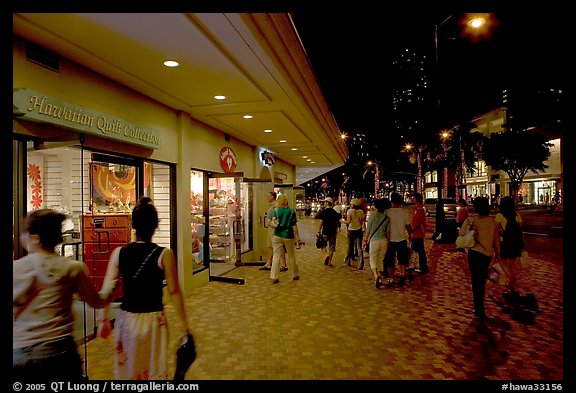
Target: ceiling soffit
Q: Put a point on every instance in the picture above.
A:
(255, 60)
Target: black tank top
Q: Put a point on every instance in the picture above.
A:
(143, 293)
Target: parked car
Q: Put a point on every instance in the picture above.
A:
(450, 207)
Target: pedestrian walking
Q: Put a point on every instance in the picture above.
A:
(511, 240)
(141, 328)
(418, 231)
(286, 239)
(43, 288)
(486, 247)
(461, 216)
(355, 219)
(400, 226)
(270, 234)
(329, 227)
(377, 237)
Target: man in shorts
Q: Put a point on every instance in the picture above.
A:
(400, 225)
(329, 227)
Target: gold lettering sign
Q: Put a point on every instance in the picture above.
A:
(35, 106)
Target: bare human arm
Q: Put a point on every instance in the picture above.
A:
(496, 241)
(86, 290)
(110, 280)
(171, 273)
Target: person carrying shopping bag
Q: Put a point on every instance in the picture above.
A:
(486, 248)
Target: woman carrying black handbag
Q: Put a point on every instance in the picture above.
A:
(141, 326)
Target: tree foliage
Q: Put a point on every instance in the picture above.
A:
(516, 153)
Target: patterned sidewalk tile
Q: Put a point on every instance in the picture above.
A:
(334, 324)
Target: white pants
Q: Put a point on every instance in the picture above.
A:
(277, 245)
(378, 248)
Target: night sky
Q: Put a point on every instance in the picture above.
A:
(351, 53)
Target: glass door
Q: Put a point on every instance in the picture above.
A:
(255, 245)
(50, 174)
(225, 227)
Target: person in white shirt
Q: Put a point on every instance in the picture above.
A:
(400, 225)
(355, 219)
(44, 285)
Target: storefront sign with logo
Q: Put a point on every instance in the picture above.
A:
(228, 159)
(268, 158)
(35, 106)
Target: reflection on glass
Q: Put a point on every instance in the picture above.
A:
(197, 219)
(113, 187)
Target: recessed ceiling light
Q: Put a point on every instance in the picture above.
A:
(282, 140)
(247, 116)
(267, 130)
(294, 148)
(171, 63)
(220, 97)
(312, 162)
(304, 156)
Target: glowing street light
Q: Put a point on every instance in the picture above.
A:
(445, 134)
(376, 176)
(416, 158)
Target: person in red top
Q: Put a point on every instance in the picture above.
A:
(462, 212)
(418, 231)
(461, 216)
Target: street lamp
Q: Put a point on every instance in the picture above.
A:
(416, 157)
(461, 173)
(376, 177)
(474, 26)
(445, 135)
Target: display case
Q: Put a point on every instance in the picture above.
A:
(221, 229)
(102, 233)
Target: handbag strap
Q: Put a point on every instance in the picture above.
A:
(144, 263)
(378, 227)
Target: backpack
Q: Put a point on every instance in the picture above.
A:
(512, 240)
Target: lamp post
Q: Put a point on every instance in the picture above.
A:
(376, 177)
(476, 27)
(461, 173)
(436, 28)
(445, 135)
(416, 157)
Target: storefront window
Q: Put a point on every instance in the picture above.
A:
(157, 186)
(431, 177)
(541, 193)
(197, 219)
(478, 171)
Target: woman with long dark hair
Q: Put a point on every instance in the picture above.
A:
(511, 240)
(141, 327)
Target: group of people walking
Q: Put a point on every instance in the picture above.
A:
(390, 234)
(45, 283)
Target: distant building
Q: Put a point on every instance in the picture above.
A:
(360, 150)
(413, 97)
(536, 188)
